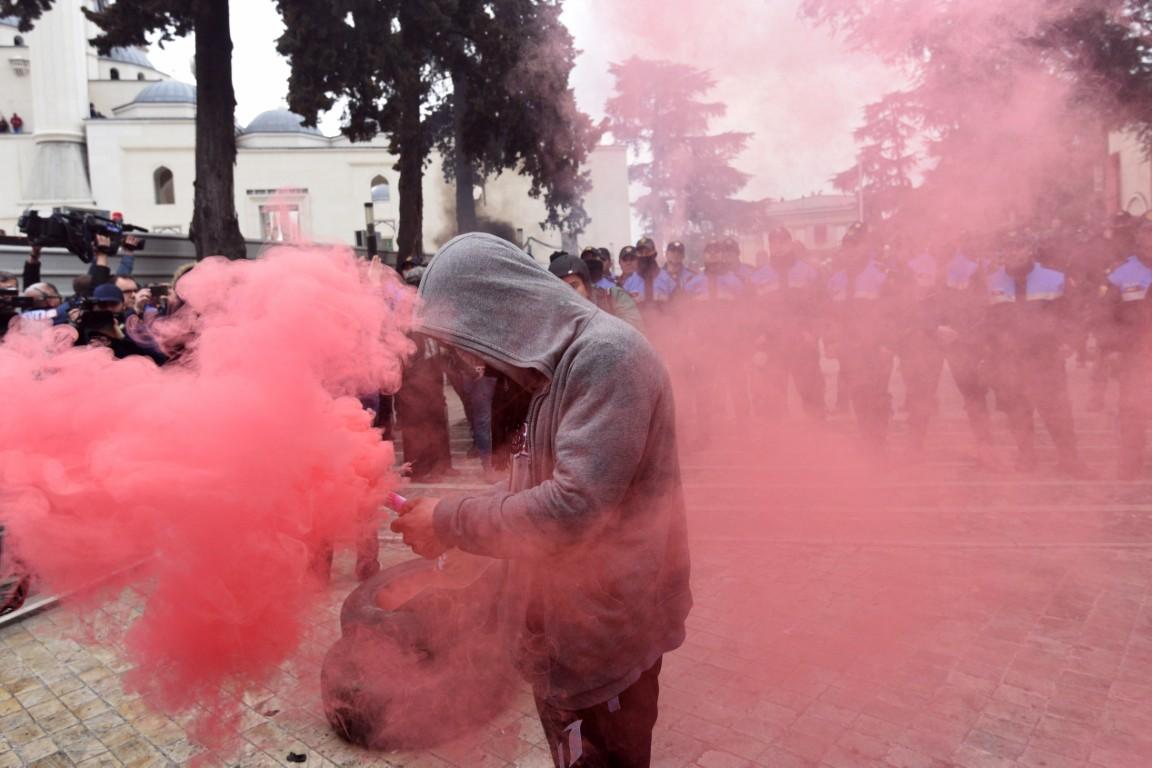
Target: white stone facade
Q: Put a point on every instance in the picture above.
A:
(141, 157)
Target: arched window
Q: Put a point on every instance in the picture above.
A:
(139, 75)
(114, 74)
(162, 183)
(18, 41)
(381, 190)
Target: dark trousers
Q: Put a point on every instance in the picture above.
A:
(864, 375)
(921, 363)
(615, 734)
(1135, 374)
(799, 360)
(477, 397)
(1037, 383)
(964, 363)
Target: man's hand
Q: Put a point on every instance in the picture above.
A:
(142, 300)
(103, 245)
(416, 526)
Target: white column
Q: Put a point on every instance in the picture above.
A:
(58, 49)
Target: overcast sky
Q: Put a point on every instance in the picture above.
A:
(795, 87)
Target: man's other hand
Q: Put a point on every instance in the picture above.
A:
(416, 526)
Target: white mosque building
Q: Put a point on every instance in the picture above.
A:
(113, 133)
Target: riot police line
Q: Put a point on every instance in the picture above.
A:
(1005, 311)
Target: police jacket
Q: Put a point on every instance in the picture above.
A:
(718, 302)
(862, 306)
(1127, 320)
(788, 300)
(1027, 317)
(650, 290)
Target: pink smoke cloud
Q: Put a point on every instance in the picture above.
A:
(223, 472)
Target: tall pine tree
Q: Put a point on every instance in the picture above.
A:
(1009, 102)
(484, 82)
(659, 111)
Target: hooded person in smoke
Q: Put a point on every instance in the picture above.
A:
(591, 529)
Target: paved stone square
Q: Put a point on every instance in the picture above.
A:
(936, 617)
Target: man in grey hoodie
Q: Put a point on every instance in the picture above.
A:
(591, 530)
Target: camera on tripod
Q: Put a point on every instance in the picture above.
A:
(76, 230)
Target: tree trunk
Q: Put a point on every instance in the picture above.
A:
(215, 228)
(411, 143)
(463, 169)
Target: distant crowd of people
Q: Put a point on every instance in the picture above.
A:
(1004, 311)
(14, 124)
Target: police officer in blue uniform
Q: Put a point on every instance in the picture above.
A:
(601, 279)
(1026, 328)
(962, 303)
(718, 298)
(917, 279)
(628, 261)
(789, 295)
(674, 266)
(1126, 337)
(649, 285)
(861, 313)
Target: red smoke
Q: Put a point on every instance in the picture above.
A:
(223, 471)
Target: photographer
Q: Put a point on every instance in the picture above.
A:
(46, 302)
(99, 324)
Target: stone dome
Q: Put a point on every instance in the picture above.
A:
(279, 121)
(133, 56)
(167, 92)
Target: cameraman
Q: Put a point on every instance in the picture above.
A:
(47, 301)
(104, 247)
(99, 323)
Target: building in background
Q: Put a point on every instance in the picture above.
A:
(113, 133)
(1127, 175)
(818, 221)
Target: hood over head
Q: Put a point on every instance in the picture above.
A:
(485, 295)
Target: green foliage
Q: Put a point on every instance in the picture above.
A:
(1003, 98)
(659, 111)
(25, 11)
(886, 161)
(486, 79)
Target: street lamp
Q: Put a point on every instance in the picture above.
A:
(370, 228)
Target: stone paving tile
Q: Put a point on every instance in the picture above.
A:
(804, 655)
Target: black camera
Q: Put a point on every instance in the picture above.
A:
(159, 290)
(93, 316)
(77, 230)
(12, 301)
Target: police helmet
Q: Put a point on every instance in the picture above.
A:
(779, 236)
(856, 234)
(570, 265)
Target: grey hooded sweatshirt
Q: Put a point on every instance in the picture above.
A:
(592, 531)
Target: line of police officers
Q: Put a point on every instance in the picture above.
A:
(1005, 320)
